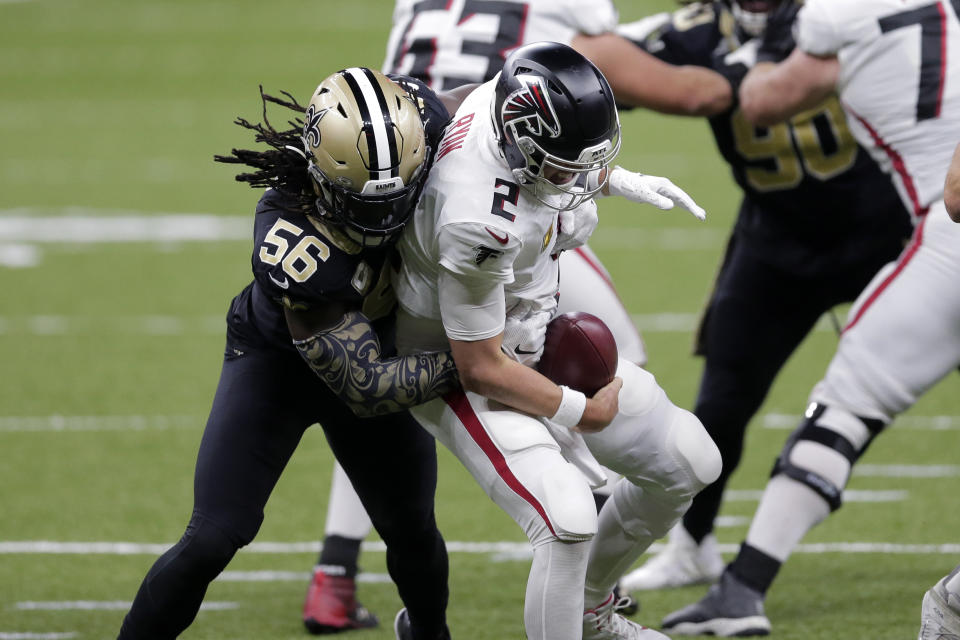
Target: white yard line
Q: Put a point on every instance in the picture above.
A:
(504, 547)
(108, 605)
(17, 635)
(150, 325)
(851, 495)
(906, 470)
(923, 423)
(97, 423)
(292, 576)
(125, 226)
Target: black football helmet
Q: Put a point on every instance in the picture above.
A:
(367, 154)
(555, 117)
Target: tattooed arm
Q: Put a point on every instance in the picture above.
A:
(347, 358)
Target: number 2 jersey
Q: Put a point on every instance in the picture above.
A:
(475, 222)
(814, 200)
(301, 263)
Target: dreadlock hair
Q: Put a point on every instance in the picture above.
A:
(284, 165)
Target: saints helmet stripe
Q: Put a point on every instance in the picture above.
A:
(387, 122)
(380, 138)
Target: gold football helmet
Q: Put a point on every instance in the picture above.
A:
(367, 151)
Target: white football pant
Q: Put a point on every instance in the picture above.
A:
(663, 452)
(903, 332)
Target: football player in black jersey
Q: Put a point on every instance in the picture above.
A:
(817, 220)
(309, 341)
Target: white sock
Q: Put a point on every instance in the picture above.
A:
(788, 509)
(553, 609)
(346, 516)
(630, 521)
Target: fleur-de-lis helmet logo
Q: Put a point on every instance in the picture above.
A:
(531, 105)
(311, 125)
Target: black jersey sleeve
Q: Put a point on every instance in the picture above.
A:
(690, 35)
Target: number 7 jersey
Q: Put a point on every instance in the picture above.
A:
(899, 81)
(815, 202)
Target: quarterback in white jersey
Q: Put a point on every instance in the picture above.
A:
(478, 273)
(452, 43)
(896, 67)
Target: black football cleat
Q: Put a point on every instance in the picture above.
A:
(730, 609)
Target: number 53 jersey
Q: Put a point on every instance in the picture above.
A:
(449, 43)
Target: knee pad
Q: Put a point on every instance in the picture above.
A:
(824, 447)
(690, 443)
(565, 509)
(569, 503)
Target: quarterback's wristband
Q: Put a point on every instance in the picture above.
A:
(571, 408)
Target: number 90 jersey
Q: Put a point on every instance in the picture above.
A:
(449, 43)
(815, 202)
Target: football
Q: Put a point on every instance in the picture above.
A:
(579, 351)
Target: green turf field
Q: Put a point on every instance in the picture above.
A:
(111, 339)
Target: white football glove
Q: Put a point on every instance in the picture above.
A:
(659, 192)
(576, 226)
(523, 337)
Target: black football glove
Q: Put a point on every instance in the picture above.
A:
(777, 40)
(734, 72)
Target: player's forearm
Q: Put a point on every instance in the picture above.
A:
(762, 95)
(639, 79)
(951, 190)
(347, 358)
(511, 383)
(772, 93)
(524, 389)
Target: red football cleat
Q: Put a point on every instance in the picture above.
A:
(331, 606)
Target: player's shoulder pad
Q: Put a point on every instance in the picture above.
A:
(689, 35)
(478, 250)
(434, 114)
(821, 26)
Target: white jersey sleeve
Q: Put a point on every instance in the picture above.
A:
(472, 250)
(817, 32)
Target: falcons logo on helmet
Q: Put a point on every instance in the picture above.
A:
(531, 105)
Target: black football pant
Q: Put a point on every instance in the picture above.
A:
(756, 318)
(264, 401)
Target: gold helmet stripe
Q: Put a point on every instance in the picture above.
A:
(378, 124)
